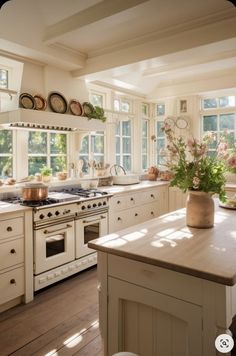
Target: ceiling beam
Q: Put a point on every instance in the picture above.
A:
(88, 16)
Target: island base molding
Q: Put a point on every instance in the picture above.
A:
(153, 311)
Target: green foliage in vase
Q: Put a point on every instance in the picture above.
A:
(191, 167)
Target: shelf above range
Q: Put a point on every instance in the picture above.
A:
(46, 120)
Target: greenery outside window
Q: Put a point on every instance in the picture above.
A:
(123, 144)
(92, 148)
(6, 153)
(46, 149)
(4, 78)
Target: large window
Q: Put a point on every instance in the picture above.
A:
(123, 144)
(6, 153)
(46, 149)
(3, 78)
(92, 149)
(97, 99)
(219, 117)
(160, 143)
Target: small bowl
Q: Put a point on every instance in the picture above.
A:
(62, 175)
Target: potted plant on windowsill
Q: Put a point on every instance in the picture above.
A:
(46, 173)
(196, 172)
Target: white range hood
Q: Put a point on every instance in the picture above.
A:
(36, 119)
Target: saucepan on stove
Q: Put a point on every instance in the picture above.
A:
(34, 192)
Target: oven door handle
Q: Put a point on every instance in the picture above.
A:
(94, 220)
(56, 230)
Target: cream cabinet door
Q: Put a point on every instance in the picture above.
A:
(177, 199)
(149, 323)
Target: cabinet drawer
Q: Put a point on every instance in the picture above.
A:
(11, 253)
(11, 284)
(150, 195)
(125, 201)
(119, 221)
(156, 278)
(11, 227)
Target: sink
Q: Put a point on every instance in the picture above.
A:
(126, 179)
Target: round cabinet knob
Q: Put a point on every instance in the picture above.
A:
(49, 214)
(83, 207)
(132, 199)
(9, 228)
(41, 216)
(94, 205)
(152, 196)
(13, 251)
(12, 281)
(118, 218)
(118, 201)
(136, 214)
(152, 213)
(57, 213)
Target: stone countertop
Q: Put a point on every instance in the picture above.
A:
(167, 242)
(119, 189)
(7, 208)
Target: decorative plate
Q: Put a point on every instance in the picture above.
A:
(170, 121)
(181, 122)
(57, 102)
(87, 108)
(27, 101)
(40, 102)
(75, 107)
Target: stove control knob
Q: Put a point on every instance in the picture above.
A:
(94, 205)
(57, 213)
(83, 207)
(49, 214)
(104, 203)
(41, 216)
(99, 204)
(89, 206)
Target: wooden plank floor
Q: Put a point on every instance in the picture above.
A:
(61, 320)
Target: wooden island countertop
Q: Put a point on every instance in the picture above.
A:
(167, 242)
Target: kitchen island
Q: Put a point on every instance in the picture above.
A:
(165, 288)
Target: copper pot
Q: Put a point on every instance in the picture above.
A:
(35, 192)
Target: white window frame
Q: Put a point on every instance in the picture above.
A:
(121, 136)
(157, 162)
(13, 154)
(103, 95)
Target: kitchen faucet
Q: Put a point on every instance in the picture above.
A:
(115, 168)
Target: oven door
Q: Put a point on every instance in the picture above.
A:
(53, 246)
(87, 229)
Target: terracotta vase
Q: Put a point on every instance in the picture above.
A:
(200, 210)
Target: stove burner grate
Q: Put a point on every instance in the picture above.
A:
(31, 203)
(86, 193)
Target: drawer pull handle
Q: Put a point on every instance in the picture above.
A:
(13, 281)
(119, 219)
(13, 251)
(136, 214)
(9, 228)
(152, 196)
(118, 201)
(152, 213)
(132, 199)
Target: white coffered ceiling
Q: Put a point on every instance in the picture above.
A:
(132, 44)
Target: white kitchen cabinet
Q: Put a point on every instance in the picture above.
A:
(16, 258)
(177, 199)
(129, 209)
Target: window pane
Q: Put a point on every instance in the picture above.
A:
(37, 142)
(85, 158)
(227, 121)
(57, 143)
(118, 159)
(210, 123)
(160, 144)
(127, 163)
(227, 101)
(160, 133)
(144, 145)
(97, 100)
(125, 106)
(85, 145)
(144, 162)
(144, 128)
(58, 164)
(35, 164)
(160, 109)
(118, 129)
(117, 144)
(210, 103)
(5, 167)
(97, 144)
(5, 141)
(211, 154)
(126, 128)
(99, 159)
(126, 145)
(3, 78)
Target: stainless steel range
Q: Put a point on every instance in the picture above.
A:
(63, 225)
